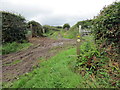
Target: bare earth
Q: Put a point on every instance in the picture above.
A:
(42, 47)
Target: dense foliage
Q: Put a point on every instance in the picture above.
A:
(97, 67)
(13, 27)
(86, 24)
(37, 29)
(107, 27)
(66, 26)
(103, 63)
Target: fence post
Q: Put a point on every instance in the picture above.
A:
(78, 41)
(31, 30)
(43, 30)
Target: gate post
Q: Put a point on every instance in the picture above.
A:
(31, 30)
(78, 41)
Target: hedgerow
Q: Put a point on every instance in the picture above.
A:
(37, 29)
(107, 27)
(13, 27)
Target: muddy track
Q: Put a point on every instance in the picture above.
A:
(29, 58)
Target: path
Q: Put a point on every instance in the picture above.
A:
(29, 58)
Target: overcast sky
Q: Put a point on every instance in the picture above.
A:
(55, 12)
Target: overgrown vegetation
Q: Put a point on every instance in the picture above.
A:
(86, 24)
(97, 65)
(107, 28)
(101, 61)
(37, 29)
(13, 27)
(14, 47)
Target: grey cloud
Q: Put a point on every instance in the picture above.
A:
(44, 16)
(26, 11)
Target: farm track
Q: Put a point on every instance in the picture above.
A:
(42, 47)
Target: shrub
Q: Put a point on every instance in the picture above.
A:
(13, 27)
(107, 26)
(86, 24)
(37, 29)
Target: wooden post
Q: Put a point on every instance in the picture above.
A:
(78, 41)
(43, 30)
(31, 30)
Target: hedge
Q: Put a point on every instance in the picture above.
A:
(13, 27)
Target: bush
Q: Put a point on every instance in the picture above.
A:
(13, 27)
(86, 24)
(37, 29)
(107, 26)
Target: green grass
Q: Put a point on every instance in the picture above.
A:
(69, 34)
(14, 47)
(56, 72)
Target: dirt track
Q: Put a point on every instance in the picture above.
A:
(29, 58)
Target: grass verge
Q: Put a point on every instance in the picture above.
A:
(14, 47)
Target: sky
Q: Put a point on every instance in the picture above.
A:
(55, 12)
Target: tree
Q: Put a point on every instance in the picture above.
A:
(66, 26)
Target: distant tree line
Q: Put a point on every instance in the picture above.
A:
(66, 26)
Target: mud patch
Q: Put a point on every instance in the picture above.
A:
(19, 63)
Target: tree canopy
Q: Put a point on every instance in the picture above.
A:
(66, 26)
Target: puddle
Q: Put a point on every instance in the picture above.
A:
(57, 44)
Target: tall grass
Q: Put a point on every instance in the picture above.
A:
(14, 47)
